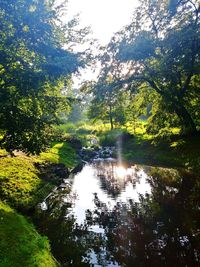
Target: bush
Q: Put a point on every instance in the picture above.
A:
(110, 138)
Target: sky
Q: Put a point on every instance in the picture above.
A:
(105, 16)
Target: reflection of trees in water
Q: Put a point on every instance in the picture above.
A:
(161, 230)
(111, 183)
(68, 240)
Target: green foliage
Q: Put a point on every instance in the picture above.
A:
(20, 244)
(108, 105)
(67, 127)
(111, 137)
(156, 58)
(34, 68)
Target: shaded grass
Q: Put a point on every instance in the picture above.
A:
(20, 244)
(61, 152)
(146, 153)
(174, 152)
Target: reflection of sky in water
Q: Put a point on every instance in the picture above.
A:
(157, 231)
(94, 260)
(87, 182)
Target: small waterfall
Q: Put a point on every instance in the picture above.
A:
(119, 150)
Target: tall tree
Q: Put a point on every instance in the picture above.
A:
(106, 103)
(160, 49)
(33, 69)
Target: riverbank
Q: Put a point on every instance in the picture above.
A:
(137, 146)
(20, 244)
(176, 151)
(24, 182)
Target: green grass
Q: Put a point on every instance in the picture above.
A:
(84, 131)
(61, 152)
(22, 187)
(3, 153)
(20, 184)
(20, 244)
(175, 151)
(20, 181)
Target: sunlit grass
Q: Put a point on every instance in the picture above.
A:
(20, 183)
(3, 153)
(60, 152)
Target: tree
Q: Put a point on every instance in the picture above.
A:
(108, 104)
(33, 69)
(160, 49)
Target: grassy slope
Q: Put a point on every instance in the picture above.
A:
(183, 152)
(61, 152)
(20, 183)
(22, 188)
(20, 244)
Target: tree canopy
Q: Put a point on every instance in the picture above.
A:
(34, 66)
(158, 57)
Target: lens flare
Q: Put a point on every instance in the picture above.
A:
(120, 172)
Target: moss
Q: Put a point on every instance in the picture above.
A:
(20, 244)
(3, 153)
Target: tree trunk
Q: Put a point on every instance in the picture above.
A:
(110, 117)
(186, 119)
(178, 107)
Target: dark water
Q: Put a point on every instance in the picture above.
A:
(108, 215)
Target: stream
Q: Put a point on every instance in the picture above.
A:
(111, 215)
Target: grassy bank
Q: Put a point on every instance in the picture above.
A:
(21, 184)
(167, 148)
(176, 151)
(20, 244)
(60, 152)
(22, 187)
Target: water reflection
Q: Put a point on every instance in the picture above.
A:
(116, 216)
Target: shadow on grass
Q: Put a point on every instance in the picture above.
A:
(20, 244)
(176, 152)
(61, 152)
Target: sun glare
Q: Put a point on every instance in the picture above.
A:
(104, 16)
(120, 172)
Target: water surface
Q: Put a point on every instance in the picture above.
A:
(109, 215)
